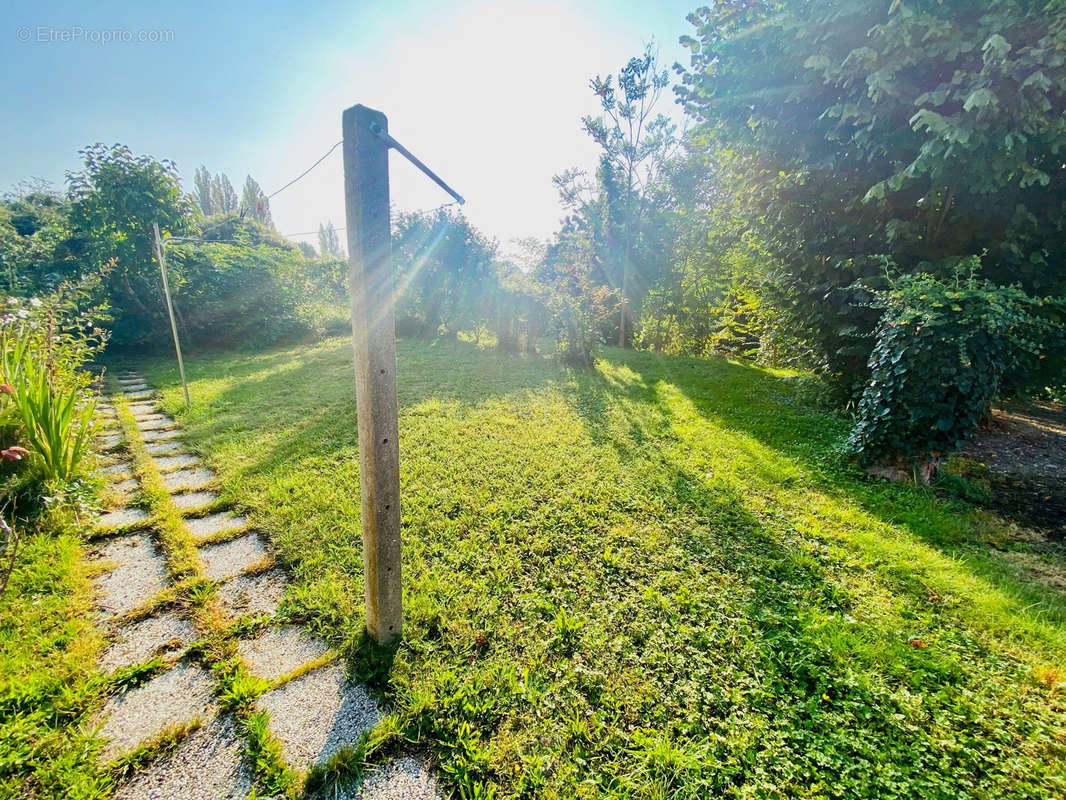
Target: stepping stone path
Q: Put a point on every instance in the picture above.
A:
(162, 448)
(194, 501)
(313, 710)
(137, 642)
(317, 714)
(233, 557)
(224, 522)
(188, 479)
(252, 594)
(176, 461)
(121, 518)
(136, 572)
(209, 763)
(277, 651)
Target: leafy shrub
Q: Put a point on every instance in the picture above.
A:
(944, 352)
(845, 129)
(57, 421)
(113, 202)
(230, 294)
(443, 273)
(44, 343)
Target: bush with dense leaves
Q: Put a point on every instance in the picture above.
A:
(846, 130)
(944, 352)
(251, 287)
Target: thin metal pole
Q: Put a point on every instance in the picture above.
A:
(170, 308)
(383, 134)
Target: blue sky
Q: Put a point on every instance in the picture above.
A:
(489, 94)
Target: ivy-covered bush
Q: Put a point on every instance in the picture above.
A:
(944, 351)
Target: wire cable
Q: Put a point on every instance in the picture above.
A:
(343, 228)
(302, 174)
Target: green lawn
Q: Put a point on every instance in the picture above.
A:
(48, 684)
(656, 579)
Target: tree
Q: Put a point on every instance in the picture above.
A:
(223, 197)
(574, 295)
(852, 130)
(307, 249)
(636, 143)
(202, 191)
(329, 244)
(38, 250)
(114, 201)
(254, 203)
(445, 274)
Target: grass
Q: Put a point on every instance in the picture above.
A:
(658, 578)
(48, 684)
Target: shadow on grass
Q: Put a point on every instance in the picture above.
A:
(823, 684)
(621, 406)
(749, 400)
(269, 390)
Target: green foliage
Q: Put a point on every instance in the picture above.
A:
(851, 129)
(577, 300)
(202, 191)
(329, 243)
(213, 195)
(444, 269)
(223, 195)
(114, 201)
(38, 249)
(636, 144)
(944, 352)
(254, 203)
(271, 772)
(57, 422)
(44, 344)
(48, 688)
(250, 287)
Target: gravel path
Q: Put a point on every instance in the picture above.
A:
(140, 641)
(209, 765)
(121, 518)
(138, 573)
(187, 480)
(176, 461)
(213, 524)
(172, 698)
(311, 716)
(277, 651)
(162, 448)
(317, 714)
(402, 779)
(230, 558)
(252, 594)
(194, 501)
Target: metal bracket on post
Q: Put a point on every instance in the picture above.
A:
(366, 195)
(383, 134)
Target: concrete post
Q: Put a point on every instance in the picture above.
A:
(366, 194)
